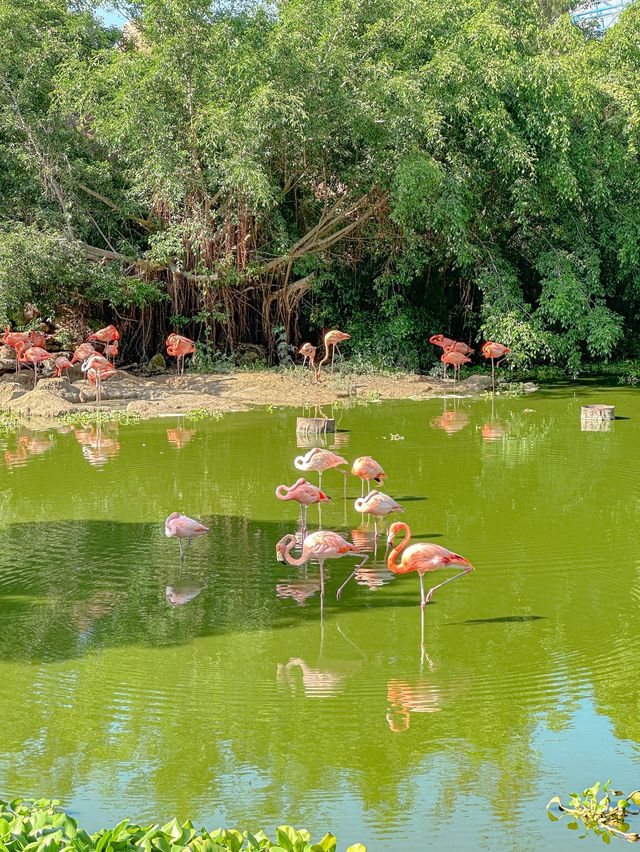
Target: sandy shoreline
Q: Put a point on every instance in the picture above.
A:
(163, 395)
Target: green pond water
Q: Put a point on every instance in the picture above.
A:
(241, 707)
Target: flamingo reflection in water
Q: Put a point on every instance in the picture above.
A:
(181, 594)
(181, 527)
(27, 447)
(493, 430)
(374, 574)
(99, 445)
(317, 546)
(450, 421)
(179, 437)
(298, 590)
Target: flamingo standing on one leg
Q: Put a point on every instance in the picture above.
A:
(34, 355)
(422, 558)
(320, 546)
(61, 364)
(443, 342)
(378, 504)
(367, 468)
(331, 339)
(180, 526)
(305, 494)
(456, 359)
(308, 351)
(178, 347)
(321, 460)
(492, 351)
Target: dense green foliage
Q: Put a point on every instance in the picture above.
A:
(39, 826)
(394, 167)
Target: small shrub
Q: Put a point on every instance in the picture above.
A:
(602, 816)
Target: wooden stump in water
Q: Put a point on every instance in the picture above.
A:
(597, 417)
(315, 425)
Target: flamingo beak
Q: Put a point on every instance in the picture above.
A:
(279, 556)
(460, 560)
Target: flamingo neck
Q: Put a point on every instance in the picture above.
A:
(282, 492)
(392, 563)
(292, 560)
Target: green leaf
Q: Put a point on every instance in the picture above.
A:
(357, 847)
(327, 844)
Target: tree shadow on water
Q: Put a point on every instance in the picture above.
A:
(72, 587)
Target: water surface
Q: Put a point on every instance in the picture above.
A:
(134, 685)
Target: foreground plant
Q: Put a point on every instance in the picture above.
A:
(39, 825)
(603, 816)
(99, 418)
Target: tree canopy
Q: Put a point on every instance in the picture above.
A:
(396, 167)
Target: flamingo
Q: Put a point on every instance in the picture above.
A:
(15, 339)
(82, 352)
(320, 546)
(462, 348)
(61, 364)
(307, 350)
(492, 351)
(178, 347)
(378, 504)
(305, 494)
(443, 342)
(367, 468)
(106, 336)
(457, 359)
(422, 558)
(331, 339)
(321, 460)
(98, 369)
(34, 355)
(180, 526)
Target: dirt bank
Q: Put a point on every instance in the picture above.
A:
(157, 396)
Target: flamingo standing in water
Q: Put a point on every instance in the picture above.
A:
(367, 468)
(180, 526)
(305, 494)
(378, 504)
(491, 351)
(321, 460)
(422, 558)
(331, 339)
(456, 359)
(308, 351)
(319, 546)
(179, 347)
(34, 355)
(61, 364)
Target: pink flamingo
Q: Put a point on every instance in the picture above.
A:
(456, 359)
(61, 364)
(443, 342)
(491, 350)
(367, 468)
(180, 526)
(178, 347)
(111, 350)
(331, 339)
(15, 339)
(319, 546)
(105, 336)
(422, 558)
(82, 352)
(305, 494)
(462, 348)
(307, 350)
(98, 369)
(378, 504)
(34, 355)
(321, 460)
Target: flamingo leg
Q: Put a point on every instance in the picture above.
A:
(493, 375)
(353, 573)
(320, 479)
(440, 585)
(321, 586)
(333, 355)
(344, 473)
(368, 486)
(362, 489)
(181, 550)
(35, 375)
(423, 603)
